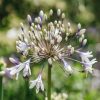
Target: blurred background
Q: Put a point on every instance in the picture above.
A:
(75, 87)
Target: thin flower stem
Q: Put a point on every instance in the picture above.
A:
(49, 82)
(74, 60)
(27, 89)
(1, 86)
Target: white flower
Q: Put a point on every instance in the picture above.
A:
(85, 55)
(88, 65)
(22, 47)
(67, 66)
(26, 70)
(14, 71)
(86, 61)
(38, 83)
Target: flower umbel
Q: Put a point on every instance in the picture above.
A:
(49, 40)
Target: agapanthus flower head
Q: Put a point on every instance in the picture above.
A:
(50, 40)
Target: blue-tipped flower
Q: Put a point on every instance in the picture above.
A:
(38, 83)
(27, 70)
(15, 70)
(85, 56)
(88, 65)
(67, 67)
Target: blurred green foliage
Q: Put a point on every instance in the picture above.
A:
(77, 86)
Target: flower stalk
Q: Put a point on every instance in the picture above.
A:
(49, 82)
(27, 88)
(1, 84)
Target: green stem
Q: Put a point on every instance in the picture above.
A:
(27, 89)
(49, 82)
(1, 86)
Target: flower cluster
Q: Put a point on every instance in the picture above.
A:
(49, 41)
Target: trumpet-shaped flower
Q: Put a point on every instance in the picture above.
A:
(88, 65)
(85, 55)
(86, 61)
(67, 67)
(15, 70)
(38, 83)
(27, 70)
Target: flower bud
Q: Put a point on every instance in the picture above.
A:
(67, 34)
(55, 22)
(51, 12)
(84, 42)
(36, 20)
(39, 20)
(72, 50)
(14, 61)
(59, 38)
(41, 13)
(66, 38)
(58, 12)
(29, 19)
(22, 26)
(69, 46)
(79, 26)
(80, 39)
(63, 15)
(52, 41)
(82, 31)
(50, 61)
(68, 24)
(45, 16)
(33, 24)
